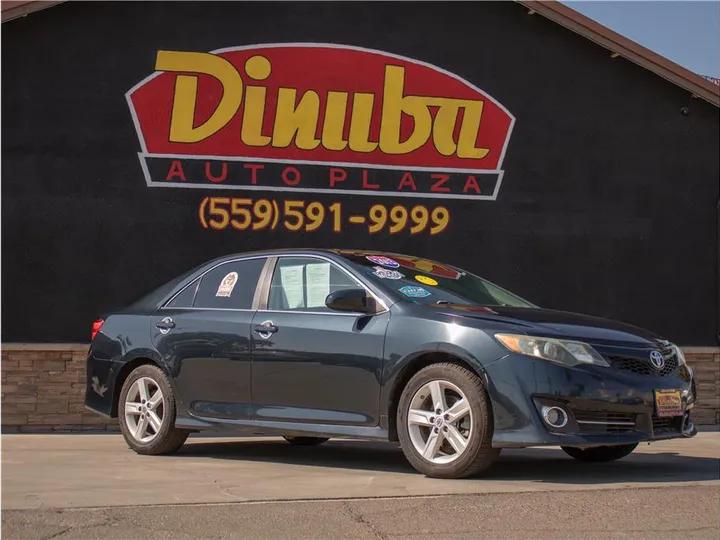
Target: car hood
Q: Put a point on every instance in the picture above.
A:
(558, 324)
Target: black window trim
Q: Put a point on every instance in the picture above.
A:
(270, 270)
(198, 279)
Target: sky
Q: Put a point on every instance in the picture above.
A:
(684, 31)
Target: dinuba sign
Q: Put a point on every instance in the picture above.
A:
(317, 118)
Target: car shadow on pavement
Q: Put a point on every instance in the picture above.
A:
(548, 465)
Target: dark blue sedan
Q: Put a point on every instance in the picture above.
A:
(314, 344)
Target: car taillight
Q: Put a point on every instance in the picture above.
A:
(96, 328)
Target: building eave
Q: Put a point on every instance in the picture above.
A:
(619, 45)
(557, 12)
(15, 9)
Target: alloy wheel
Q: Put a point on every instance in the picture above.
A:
(144, 409)
(440, 422)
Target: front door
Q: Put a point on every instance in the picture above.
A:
(316, 365)
(204, 336)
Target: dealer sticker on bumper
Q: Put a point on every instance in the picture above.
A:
(668, 403)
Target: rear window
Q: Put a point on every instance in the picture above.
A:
(230, 286)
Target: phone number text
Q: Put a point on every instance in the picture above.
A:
(244, 214)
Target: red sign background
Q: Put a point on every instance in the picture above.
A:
(320, 68)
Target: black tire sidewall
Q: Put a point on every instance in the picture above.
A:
(168, 421)
(480, 440)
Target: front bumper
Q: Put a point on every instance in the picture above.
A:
(604, 406)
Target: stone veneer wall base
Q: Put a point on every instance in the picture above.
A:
(43, 388)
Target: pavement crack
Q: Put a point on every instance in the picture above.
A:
(222, 489)
(59, 534)
(357, 517)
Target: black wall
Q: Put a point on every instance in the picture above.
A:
(608, 204)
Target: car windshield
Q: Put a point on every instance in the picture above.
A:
(429, 282)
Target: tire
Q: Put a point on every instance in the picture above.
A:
(167, 439)
(305, 441)
(450, 381)
(600, 454)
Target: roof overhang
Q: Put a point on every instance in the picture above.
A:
(619, 45)
(557, 12)
(14, 9)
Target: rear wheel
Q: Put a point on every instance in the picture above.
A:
(305, 441)
(444, 422)
(599, 453)
(147, 413)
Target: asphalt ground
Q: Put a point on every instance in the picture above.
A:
(93, 486)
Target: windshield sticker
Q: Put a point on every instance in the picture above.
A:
(382, 261)
(227, 285)
(429, 267)
(414, 292)
(384, 273)
(426, 280)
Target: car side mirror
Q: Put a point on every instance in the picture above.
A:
(351, 300)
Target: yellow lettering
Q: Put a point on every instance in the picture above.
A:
(298, 121)
(444, 126)
(469, 131)
(184, 100)
(360, 119)
(394, 105)
(334, 124)
(258, 68)
(252, 122)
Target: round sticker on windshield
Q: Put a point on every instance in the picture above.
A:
(384, 273)
(414, 292)
(426, 280)
(382, 261)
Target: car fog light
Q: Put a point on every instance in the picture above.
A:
(554, 416)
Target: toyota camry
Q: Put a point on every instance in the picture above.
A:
(314, 344)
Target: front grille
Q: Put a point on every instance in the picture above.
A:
(592, 421)
(642, 366)
(667, 424)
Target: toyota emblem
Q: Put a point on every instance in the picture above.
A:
(657, 359)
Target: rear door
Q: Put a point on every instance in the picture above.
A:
(316, 365)
(204, 336)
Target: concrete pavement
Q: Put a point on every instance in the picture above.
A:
(671, 513)
(265, 488)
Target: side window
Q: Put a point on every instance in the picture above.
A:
(186, 297)
(230, 285)
(301, 283)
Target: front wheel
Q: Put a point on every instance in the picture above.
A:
(147, 413)
(600, 454)
(444, 422)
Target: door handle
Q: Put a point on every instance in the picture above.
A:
(265, 329)
(165, 325)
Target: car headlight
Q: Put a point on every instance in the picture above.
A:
(680, 355)
(560, 351)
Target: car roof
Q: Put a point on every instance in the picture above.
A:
(300, 251)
